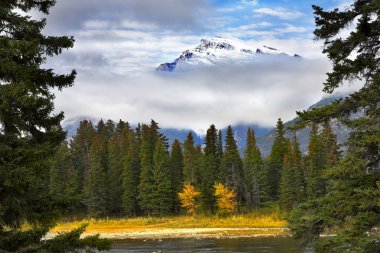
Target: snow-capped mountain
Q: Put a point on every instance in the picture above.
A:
(219, 51)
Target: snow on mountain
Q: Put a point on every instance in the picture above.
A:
(219, 51)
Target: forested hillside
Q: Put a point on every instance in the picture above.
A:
(112, 169)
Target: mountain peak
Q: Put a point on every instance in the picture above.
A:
(217, 50)
(215, 44)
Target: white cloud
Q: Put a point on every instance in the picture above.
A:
(250, 2)
(256, 93)
(96, 24)
(289, 28)
(241, 6)
(136, 25)
(119, 44)
(280, 13)
(253, 31)
(70, 15)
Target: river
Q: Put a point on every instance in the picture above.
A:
(255, 245)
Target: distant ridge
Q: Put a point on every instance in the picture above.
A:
(265, 136)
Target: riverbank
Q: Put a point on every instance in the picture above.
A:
(248, 225)
(188, 233)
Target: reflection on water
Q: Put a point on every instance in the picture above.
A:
(255, 245)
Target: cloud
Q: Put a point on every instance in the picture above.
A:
(243, 4)
(120, 42)
(250, 2)
(71, 15)
(256, 93)
(270, 31)
(279, 12)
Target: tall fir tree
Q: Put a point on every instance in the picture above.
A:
(80, 147)
(291, 183)
(109, 129)
(149, 137)
(231, 172)
(162, 195)
(131, 175)
(254, 177)
(176, 173)
(102, 130)
(119, 127)
(330, 145)
(146, 181)
(103, 134)
(210, 171)
(299, 170)
(30, 131)
(190, 161)
(96, 188)
(315, 164)
(219, 149)
(350, 205)
(287, 191)
(114, 175)
(275, 161)
(64, 180)
(323, 152)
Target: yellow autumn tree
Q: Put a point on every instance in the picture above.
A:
(226, 199)
(188, 198)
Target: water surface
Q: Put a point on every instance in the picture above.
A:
(240, 245)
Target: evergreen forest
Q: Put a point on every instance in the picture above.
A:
(117, 169)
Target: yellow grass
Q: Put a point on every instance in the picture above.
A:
(121, 225)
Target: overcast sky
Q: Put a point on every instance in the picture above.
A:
(120, 42)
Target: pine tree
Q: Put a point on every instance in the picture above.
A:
(162, 195)
(287, 190)
(64, 182)
(210, 170)
(323, 153)
(330, 145)
(101, 129)
(149, 138)
(219, 149)
(114, 175)
(105, 130)
(131, 174)
(350, 205)
(231, 172)
(190, 161)
(315, 184)
(291, 184)
(103, 133)
(146, 181)
(80, 146)
(253, 173)
(176, 172)
(275, 161)
(299, 171)
(30, 131)
(120, 127)
(96, 188)
(118, 148)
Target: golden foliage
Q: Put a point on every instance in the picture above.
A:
(119, 225)
(226, 199)
(188, 198)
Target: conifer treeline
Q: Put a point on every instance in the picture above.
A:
(113, 170)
